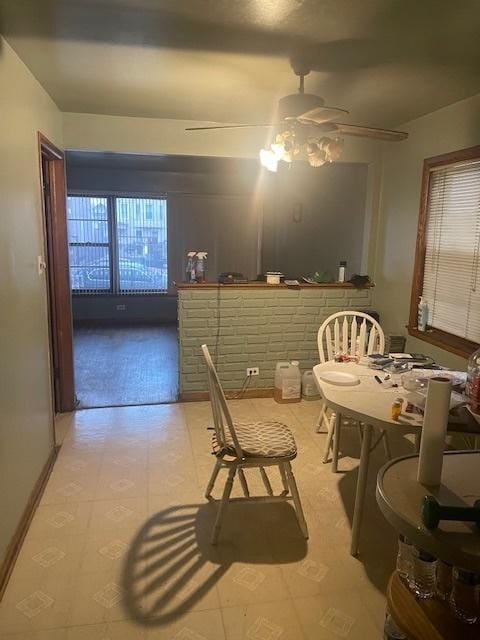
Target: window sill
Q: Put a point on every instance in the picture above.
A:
(454, 344)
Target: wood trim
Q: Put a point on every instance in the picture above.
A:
(425, 619)
(58, 283)
(230, 394)
(16, 542)
(264, 285)
(454, 344)
(442, 339)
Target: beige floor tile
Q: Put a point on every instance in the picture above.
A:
(248, 583)
(51, 519)
(335, 614)
(134, 560)
(113, 515)
(197, 625)
(262, 621)
(122, 630)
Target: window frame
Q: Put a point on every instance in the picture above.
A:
(448, 341)
(111, 196)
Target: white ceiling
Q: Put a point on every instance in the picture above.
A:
(386, 61)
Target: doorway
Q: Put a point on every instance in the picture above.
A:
(125, 329)
(55, 266)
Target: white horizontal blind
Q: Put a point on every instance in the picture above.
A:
(141, 234)
(89, 244)
(451, 284)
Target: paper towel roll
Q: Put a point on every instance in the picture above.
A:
(433, 431)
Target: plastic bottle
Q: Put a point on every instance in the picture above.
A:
(190, 268)
(443, 580)
(397, 405)
(405, 559)
(342, 271)
(422, 314)
(464, 598)
(391, 630)
(200, 270)
(424, 570)
(309, 386)
(288, 382)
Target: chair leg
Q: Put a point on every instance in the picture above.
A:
(283, 475)
(296, 498)
(328, 444)
(336, 442)
(266, 481)
(322, 418)
(360, 433)
(386, 445)
(223, 505)
(211, 482)
(243, 482)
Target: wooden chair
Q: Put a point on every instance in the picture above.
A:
(239, 446)
(357, 335)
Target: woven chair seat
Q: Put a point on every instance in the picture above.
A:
(269, 439)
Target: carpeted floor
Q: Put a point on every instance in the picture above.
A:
(126, 365)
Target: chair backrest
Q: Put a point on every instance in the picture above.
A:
(222, 418)
(357, 335)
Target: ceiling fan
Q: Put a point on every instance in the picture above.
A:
(305, 126)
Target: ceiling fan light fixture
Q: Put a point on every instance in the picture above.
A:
(332, 147)
(268, 160)
(316, 156)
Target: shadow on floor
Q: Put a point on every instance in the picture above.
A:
(172, 565)
(378, 540)
(120, 365)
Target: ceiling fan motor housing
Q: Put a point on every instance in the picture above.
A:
(295, 104)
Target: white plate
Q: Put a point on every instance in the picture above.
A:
(340, 378)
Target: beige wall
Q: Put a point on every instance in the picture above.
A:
(451, 128)
(26, 433)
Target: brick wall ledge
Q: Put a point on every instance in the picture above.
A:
(264, 285)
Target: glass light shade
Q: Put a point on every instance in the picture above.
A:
(316, 156)
(268, 159)
(333, 148)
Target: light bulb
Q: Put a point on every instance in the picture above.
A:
(268, 159)
(278, 149)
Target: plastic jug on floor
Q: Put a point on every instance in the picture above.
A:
(309, 386)
(288, 382)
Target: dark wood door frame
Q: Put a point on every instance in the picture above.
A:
(52, 176)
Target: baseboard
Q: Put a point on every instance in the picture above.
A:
(231, 394)
(15, 545)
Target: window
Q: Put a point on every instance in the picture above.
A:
(117, 245)
(447, 269)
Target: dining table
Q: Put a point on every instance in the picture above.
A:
(368, 402)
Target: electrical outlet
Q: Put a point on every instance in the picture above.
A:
(253, 371)
(121, 307)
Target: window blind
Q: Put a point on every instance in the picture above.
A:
(117, 245)
(451, 284)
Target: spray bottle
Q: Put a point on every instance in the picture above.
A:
(190, 268)
(200, 272)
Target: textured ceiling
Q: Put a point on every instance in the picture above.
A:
(386, 61)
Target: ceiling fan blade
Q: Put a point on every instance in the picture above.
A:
(322, 114)
(233, 126)
(370, 132)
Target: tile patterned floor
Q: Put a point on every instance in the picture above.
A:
(118, 547)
